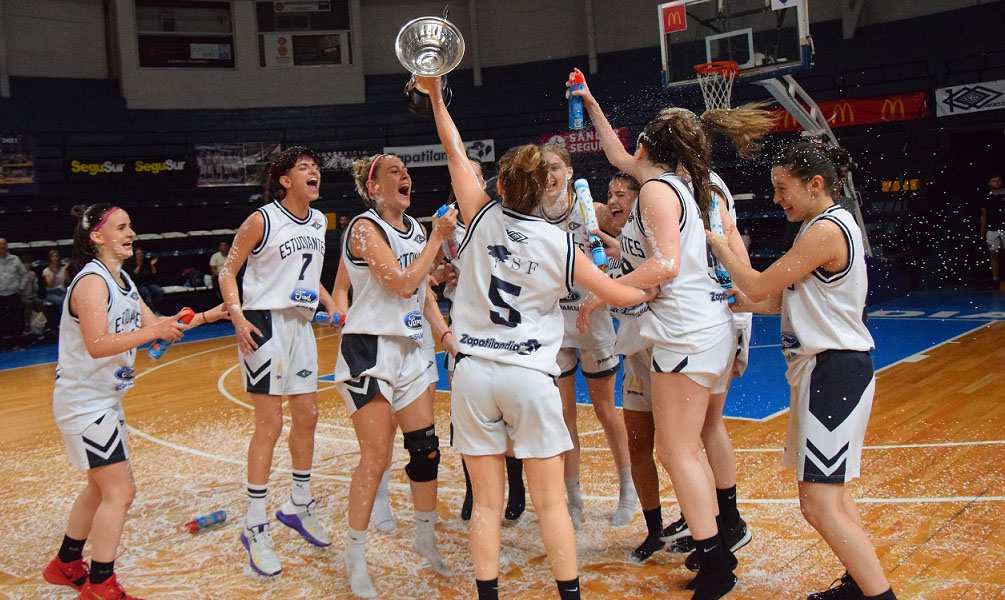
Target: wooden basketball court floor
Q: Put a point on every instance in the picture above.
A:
(932, 492)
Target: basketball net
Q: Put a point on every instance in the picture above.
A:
(716, 81)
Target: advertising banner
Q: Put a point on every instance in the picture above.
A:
(863, 111)
(432, 155)
(17, 167)
(582, 142)
(970, 98)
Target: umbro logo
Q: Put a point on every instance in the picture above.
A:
(516, 236)
(316, 225)
(420, 238)
(573, 226)
(304, 373)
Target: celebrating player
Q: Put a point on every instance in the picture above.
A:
(514, 268)
(104, 321)
(820, 286)
(283, 244)
(382, 372)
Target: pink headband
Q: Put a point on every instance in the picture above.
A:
(373, 165)
(104, 217)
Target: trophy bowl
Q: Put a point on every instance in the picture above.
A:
(429, 46)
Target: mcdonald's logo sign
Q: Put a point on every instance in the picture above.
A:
(891, 106)
(843, 114)
(674, 16)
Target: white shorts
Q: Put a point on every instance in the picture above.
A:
(394, 367)
(996, 240)
(711, 367)
(744, 331)
(429, 352)
(286, 361)
(596, 362)
(492, 402)
(103, 442)
(636, 388)
(830, 401)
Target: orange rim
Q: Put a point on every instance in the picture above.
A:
(723, 67)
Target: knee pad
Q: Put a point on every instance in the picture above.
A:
(424, 454)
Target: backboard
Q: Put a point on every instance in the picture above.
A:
(766, 38)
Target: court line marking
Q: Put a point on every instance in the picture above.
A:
(874, 447)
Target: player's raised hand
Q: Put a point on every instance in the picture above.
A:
(584, 93)
(444, 226)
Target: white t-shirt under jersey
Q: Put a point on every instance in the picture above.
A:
(825, 310)
(512, 271)
(375, 309)
(690, 311)
(85, 385)
(284, 270)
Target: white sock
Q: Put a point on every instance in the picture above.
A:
(256, 505)
(302, 488)
(355, 564)
(425, 542)
(381, 515)
(628, 500)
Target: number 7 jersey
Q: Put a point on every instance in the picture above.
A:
(284, 269)
(512, 271)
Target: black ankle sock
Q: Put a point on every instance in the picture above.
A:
(654, 521)
(710, 551)
(100, 571)
(488, 590)
(568, 590)
(887, 595)
(468, 496)
(71, 549)
(727, 505)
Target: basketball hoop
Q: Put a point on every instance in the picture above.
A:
(716, 81)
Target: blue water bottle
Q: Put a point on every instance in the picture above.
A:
(576, 113)
(159, 347)
(206, 521)
(322, 317)
(449, 245)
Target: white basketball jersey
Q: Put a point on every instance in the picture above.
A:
(743, 320)
(375, 309)
(628, 340)
(825, 310)
(86, 385)
(601, 326)
(690, 309)
(284, 270)
(513, 270)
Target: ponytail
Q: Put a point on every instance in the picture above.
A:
(523, 175)
(745, 125)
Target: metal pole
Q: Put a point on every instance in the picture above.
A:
(4, 78)
(591, 37)
(476, 59)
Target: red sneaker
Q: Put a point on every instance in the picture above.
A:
(109, 589)
(73, 574)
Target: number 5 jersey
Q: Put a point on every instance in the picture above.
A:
(512, 271)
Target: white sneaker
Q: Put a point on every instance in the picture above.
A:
(303, 520)
(261, 557)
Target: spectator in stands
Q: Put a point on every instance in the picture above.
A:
(216, 261)
(30, 299)
(143, 272)
(54, 276)
(11, 310)
(343, 222)
(993, 225)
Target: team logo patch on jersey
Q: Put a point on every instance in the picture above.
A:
(304, 296)
(528, 347)
(413, 320)
(516, 236)
(420, 238)
(500, 253)
(789, 341)
(304, 373)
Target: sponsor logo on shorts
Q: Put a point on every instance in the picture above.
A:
(413, 320)
(523, 348)
(304, 373)
(304, 296)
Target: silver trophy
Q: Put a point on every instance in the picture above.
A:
(428, 47)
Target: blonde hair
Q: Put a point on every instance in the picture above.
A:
(523, 175)
(363, 170)
(744, 125)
